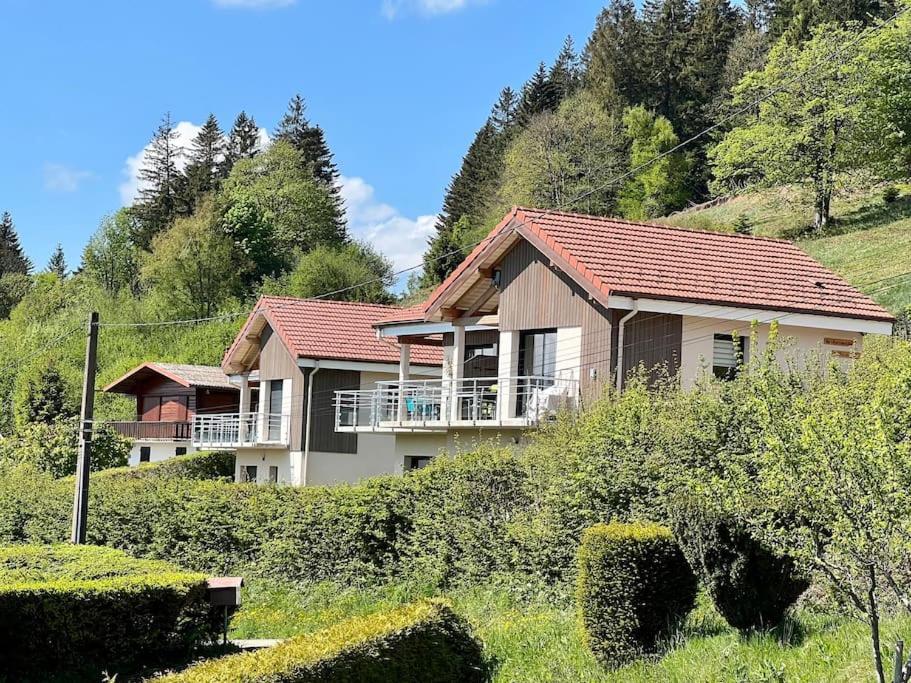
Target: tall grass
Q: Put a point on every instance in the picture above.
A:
(531, 635)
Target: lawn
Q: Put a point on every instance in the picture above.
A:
(869, 244)
(532, 636)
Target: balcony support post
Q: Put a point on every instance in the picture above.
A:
(404, 372)
(507, 369)
(244, 407)
(457, 372)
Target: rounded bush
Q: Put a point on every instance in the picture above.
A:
(751, 586)
(633, 589)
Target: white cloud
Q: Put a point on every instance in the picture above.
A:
(392, 8)
(186, 131)
(254, 4)
(63, 178)
(401, 239)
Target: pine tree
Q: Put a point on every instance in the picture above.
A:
(565, 75)
(667, 53)
(309, 140)
(161, 185)
(295, 129)
(466, 203)
(505, 114)
(796, 19)
(46, 400)
(243, 142)
(536, 95)
(57, 263)
(12, 257)
(206, 155)
(614, 55)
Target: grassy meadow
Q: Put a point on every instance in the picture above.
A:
(530, 635)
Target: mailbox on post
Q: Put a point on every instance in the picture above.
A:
(224, 592)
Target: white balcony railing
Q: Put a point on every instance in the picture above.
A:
(238, 430)
(441, 403)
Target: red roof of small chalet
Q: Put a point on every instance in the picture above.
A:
(337, 330)
(618, 257)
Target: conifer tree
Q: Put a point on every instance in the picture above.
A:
(12, 257)
(466, 202)
(536, 95)
(309, 140)
(295, 129)
(614, 55)
(161, 185)
(206, 154)
(565, 75)
(667, 53)
(243, 142)
(57, 263)
(505, 114)
(46, 399)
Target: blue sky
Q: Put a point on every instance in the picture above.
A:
(400, 86)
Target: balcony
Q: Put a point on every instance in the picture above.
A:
(439, 404)
(151, 431)
(241, 430)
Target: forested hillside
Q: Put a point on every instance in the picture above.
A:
(798, 112)
(801, 95)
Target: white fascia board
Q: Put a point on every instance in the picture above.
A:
(824, 322)
(363, 366)
(408, 329)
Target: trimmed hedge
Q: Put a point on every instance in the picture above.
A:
(83, 610)
(634, 587)
(202, 465)
(751, 586)
(421, 642)
(447, 522)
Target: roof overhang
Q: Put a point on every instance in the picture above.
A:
(749, 315)
(127, 383)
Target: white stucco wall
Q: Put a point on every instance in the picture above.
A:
(796, 342)
(160, 450)
(263, 459)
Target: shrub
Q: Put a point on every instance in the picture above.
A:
(634, 586)
(891, 194)
(421, 642)
(82, 610)
(201, 465)
(751, 586)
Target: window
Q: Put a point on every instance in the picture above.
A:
(180, 450)
(416, 462)
(481, 360)
(727, 357)
(273, 474)
(275, 409)
(248, 473)
(145, 453)
(538, 353)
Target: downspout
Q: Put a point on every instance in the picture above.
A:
(309, 420)
(620, 328)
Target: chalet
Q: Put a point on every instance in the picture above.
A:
(550, 307)
(168, 397)
(287, 362)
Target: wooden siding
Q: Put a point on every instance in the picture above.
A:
(276, 362)
(323, 437)
(164, 399)
(653, 340)
(535, 295)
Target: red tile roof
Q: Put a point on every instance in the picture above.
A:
(337, 330)
(403, 315)
(617, 257)
(205, 376)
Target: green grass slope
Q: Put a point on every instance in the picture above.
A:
(869, 244)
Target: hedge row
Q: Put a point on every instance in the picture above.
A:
(634, 587)
(423, 642)
(203, 465)
(454, 519)
(104, 611)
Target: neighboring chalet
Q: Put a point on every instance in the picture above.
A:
(287, 362)
(168, 397)
(551, 307)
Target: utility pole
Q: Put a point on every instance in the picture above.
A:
(84, 461)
